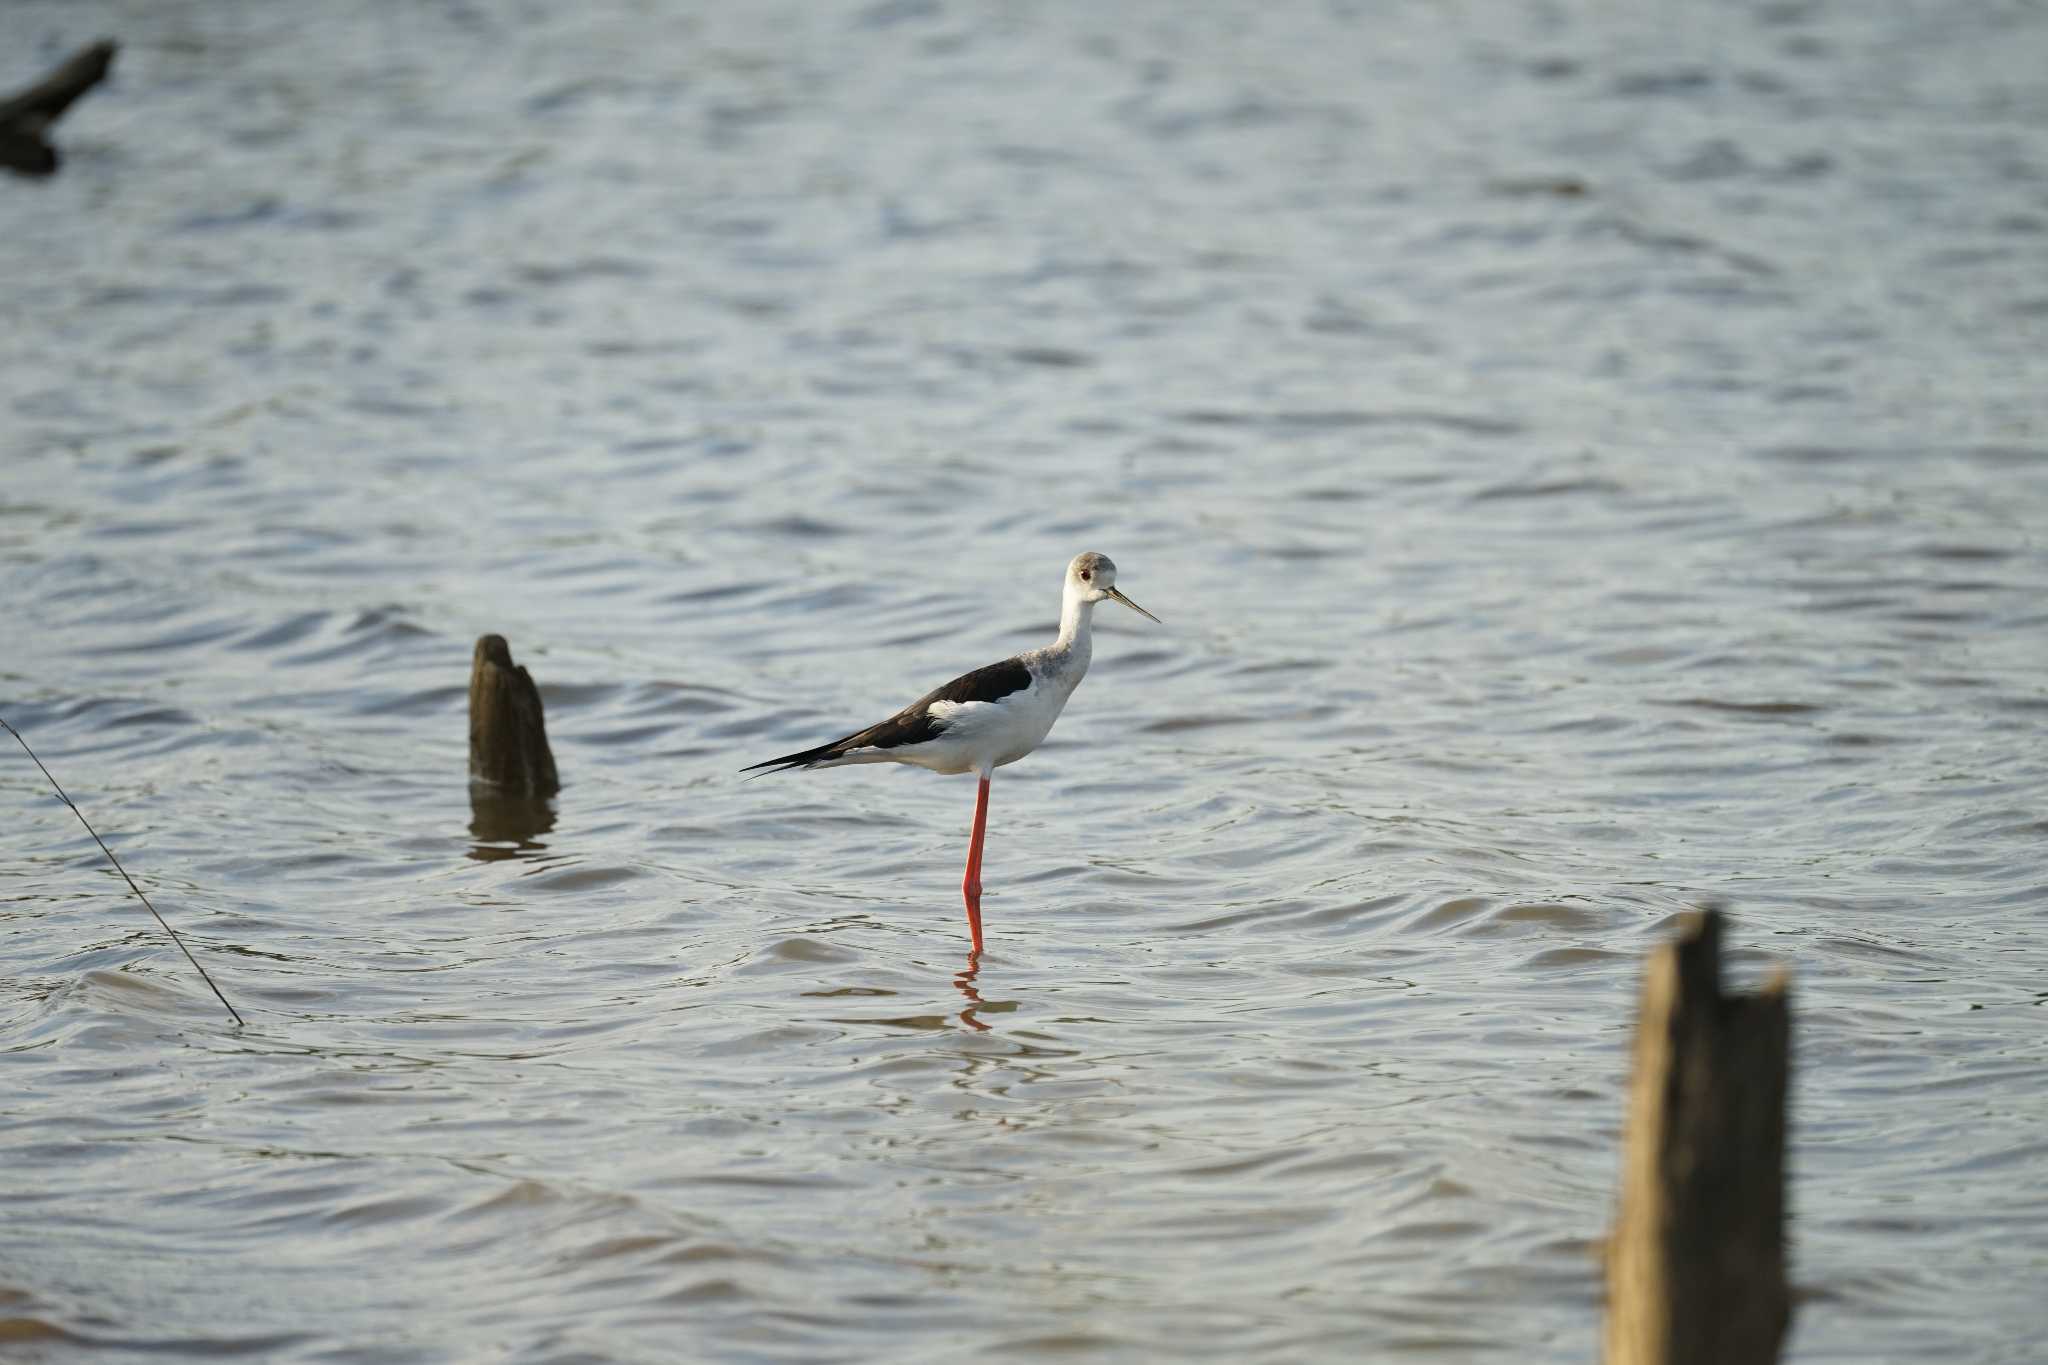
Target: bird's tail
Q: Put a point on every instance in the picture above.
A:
(809, 758)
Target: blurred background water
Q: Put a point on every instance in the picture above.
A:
(1589, 459)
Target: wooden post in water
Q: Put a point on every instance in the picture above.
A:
(1696, 1263)
(508, 740)
(26, 116)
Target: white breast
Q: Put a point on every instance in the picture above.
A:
(992, 733)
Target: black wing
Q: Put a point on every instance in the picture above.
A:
(914, 724)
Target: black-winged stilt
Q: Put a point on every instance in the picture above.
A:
(984, 719)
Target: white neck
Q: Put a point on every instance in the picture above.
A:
(1070, 653)
(1075, 613)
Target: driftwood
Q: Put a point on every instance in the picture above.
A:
(25, 118)
(508, 739)
(1696, 1264)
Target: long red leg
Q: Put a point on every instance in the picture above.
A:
(970, 885)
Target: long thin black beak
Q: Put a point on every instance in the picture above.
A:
(1114, 593)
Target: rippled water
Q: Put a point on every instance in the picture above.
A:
(1587, 463)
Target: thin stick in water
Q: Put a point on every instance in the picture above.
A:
(61, 796)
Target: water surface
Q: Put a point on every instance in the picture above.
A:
(1587, 463)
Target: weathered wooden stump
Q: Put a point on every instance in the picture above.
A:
(1696, 1264)
(25, 117)
(508, 739)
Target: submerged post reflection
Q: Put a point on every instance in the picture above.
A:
(498, 818)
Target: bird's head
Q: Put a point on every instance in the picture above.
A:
(1092, 577)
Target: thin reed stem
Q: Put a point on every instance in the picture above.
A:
(204, 975)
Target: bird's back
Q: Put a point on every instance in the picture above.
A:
(946, 729)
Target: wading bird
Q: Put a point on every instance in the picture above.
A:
(984, 719)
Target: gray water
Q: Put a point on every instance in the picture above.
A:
(1589, 459)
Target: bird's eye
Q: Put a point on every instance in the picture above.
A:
(1087, 574)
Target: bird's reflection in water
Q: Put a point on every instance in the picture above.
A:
(498, 819)
(964, 983)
